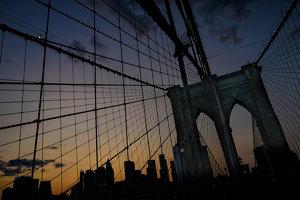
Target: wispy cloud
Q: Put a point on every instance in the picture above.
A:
(78, 45)
(223, 18)
(52, 147)
(58, 165)
(12, 171)
(125, 7)
(100, 46)
(13, 167)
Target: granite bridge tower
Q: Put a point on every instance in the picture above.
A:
(216, 96)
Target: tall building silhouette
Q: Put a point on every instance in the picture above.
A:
(77, 192)
(174, 173)
(138, 184)
(129, 176)
(164, 174)
(81, 185)
(7, 194)
(207, 164)
(178, 165)
(263, 162)
(110, 175)
(151, 163)
(129, 169)
(120, 190)
(44, 192)
(90, 185)
(152, 184)
(25, 188)
(101, 175)
(81, 179)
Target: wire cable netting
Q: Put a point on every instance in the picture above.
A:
(85, 85)
(281, 72)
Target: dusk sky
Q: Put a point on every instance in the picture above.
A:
(233, 33)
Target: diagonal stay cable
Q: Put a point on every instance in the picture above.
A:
(41, 41)
(76, 113)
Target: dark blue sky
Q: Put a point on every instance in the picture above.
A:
(228, 25)
(224, 25)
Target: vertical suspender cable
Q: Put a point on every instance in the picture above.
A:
(142, 89)
(254, 138)
(2, 45)
(153, 82)
(162, 82)
(75, 124)
(124, 89)
(41, 93)
(86, 115)
(22, 104)
(165, 97)
(95, 96)
(60, 119)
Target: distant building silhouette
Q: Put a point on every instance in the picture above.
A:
(178, 165)
(129, 169)
(77, 192)
(81, 179)
(25, 188)
(101, 175)
(164, 174)
(44, 192)
(119, 190)
(110, 175)
(7, 194)
(151, 163)
(99, 184)
(174, 173)
(80, 186)
(263, 162)
(152, 183)
(90, 185)
(137, 184)
(94, 185)
(61, 196)
(209, 171)
(129, 175)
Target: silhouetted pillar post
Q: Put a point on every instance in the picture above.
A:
(188, 141)
(281, 158)
(224, 132)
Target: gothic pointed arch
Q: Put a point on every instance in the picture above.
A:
(216, 96)
(249, 104)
